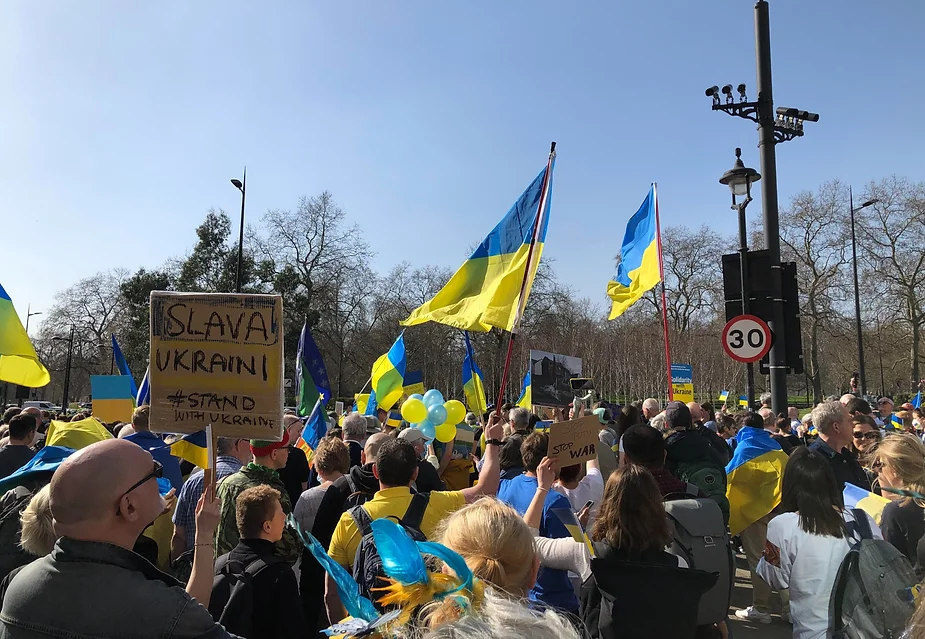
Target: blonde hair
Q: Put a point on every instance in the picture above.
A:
(904, 453)
(38, 534)
(496, 544)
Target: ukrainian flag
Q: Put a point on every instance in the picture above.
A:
(122, 365)
(526, 393)
(19, 363)
(361, 403)
(753, 478)
(722, 396)
(639, 269)
(473, 387)
(193, 448)
(743, 401)
(489, 289)
(573, 526)
(869, 502)
(414, 382)
(389, 375)
(393, 419)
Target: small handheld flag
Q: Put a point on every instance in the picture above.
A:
(743, 401)
(472, 381)
(388, 375)
(193, 448)
(526, 392)
(573, 526)
(723, 395)
(122, 365)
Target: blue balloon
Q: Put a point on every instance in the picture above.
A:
(417, 396)
(433, 397)
(436, 414)
(427, 429)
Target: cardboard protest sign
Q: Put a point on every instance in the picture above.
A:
(217, 358)
(574, 441)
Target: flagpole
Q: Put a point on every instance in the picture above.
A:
(521, 302)
(661, 270)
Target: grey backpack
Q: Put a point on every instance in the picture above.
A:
(872, 596)
(700, 537)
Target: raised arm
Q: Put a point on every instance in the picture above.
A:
(545, 477)
(490, 473)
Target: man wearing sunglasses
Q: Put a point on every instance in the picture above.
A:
(92, 584)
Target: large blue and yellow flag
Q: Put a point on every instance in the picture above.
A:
(490, 289)
(526, 393)
(639, 269)
(122, 365)
(473, 387)
(310, 373)
(753, 478)
(388, 376)
(19, 363)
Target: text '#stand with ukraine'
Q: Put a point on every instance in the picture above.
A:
(217, 359)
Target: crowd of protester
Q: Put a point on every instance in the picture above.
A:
(104, 533)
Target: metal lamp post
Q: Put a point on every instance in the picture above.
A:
(241, 185)
(857, 290)
(739, 179)
(29, 314)
(67, 369)
(773, 129)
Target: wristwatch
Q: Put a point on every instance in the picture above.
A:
(496, 442)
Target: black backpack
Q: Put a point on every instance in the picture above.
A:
(12, 504)
(367, 569)
(872, 593)
(232, 601)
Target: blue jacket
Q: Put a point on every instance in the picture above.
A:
(553, 587)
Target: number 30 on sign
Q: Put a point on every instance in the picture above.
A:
(747, 338)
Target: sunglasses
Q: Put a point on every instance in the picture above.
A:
(868, 435)
(157, 473)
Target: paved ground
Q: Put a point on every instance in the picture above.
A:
(742, 598)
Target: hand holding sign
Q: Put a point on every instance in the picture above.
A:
(574, 441)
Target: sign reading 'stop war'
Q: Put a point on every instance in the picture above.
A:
(217, 358)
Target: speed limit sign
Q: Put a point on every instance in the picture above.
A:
(747, 338)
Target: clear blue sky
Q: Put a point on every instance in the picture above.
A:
(122, 122)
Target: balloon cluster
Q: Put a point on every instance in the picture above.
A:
(434, 417)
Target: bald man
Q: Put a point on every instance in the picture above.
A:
(102, 498)
(696, 413)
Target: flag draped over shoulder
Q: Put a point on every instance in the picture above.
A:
(639, 269)
(388, 377)
(19, 363)
(486, 290)
(311, 374)
(526, 393)
(473, 387)
(867, 501)
(753, 478)
(122, 365)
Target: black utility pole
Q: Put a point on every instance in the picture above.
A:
(241, 186)
(857, 289)
(787, 125)
(67, 368)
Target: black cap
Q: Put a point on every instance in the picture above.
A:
(678, 415)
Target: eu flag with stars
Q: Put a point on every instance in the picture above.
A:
(311, 375)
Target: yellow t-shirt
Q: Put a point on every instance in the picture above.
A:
(392, 502)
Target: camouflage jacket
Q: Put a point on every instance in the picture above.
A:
(226, 535)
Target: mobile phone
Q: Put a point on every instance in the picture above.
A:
(588, 504)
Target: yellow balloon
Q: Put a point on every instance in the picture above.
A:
(446, 433)
(455, 411)
(414, 411)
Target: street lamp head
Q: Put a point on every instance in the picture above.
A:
(237, 183)
(713, 92)
(740, 178)
(869, 203)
